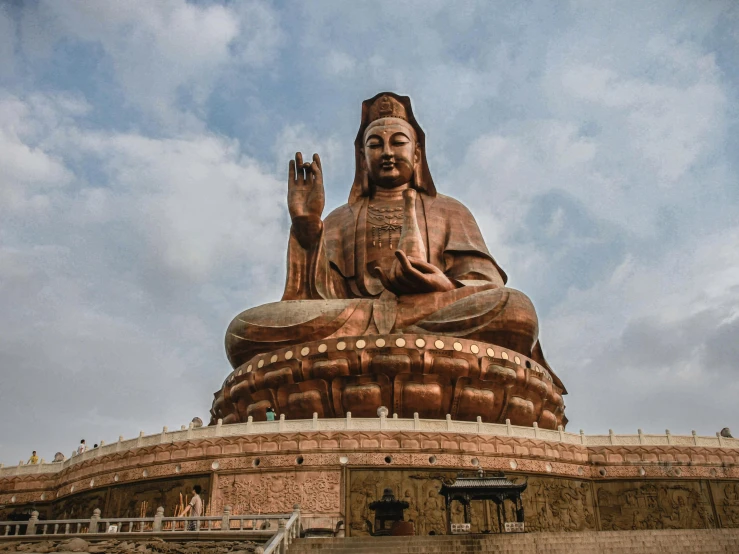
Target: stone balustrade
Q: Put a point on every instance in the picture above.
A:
(382, 423)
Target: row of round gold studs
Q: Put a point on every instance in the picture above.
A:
(380, 343)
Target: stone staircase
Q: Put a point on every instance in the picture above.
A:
(713, 541)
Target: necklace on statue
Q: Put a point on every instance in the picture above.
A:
(385, 221)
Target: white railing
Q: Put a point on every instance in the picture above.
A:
(371, 424)
(245, 524)
(286, 534)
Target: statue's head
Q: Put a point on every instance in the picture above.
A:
(389, 148)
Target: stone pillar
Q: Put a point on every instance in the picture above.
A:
(281, 529)
(94, 521)
(296, 526)
(226, 519)
(31, 527)
(157, 526)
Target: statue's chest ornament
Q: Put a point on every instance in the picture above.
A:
(386, 223)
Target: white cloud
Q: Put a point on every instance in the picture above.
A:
(594, 145)
(338, 63)
(160, 52)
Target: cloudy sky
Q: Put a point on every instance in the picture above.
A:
(143, 158)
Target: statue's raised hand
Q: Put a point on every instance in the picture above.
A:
(306, 199)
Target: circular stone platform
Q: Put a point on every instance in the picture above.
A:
(424, 374)
(335, 467)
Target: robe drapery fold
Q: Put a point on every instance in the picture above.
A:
(336, 266)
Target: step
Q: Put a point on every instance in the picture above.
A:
(699, 541)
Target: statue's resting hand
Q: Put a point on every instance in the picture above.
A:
(306, 199)
(409, 275)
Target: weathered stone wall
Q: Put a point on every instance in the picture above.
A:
(575, 482)
(554, 504)
(123, 500)
(278, 491)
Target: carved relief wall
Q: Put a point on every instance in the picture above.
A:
(11, 512)
(421, 490)
(126, 500)
(552, 504)
(80, 505)
(317, 492)
(627, 505)
(726, 500)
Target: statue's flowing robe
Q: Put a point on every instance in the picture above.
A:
(336, 266)
(330, 292)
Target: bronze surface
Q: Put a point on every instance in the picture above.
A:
(398, 258)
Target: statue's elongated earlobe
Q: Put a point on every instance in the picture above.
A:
(365, 174)
(365, 183)
(418, 174)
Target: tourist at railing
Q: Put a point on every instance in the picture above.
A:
(82, 447)
(195, 506)
(270, 414)
(33, 459)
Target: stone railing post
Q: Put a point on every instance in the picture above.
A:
(296, 525)
(641, 436)
(582, 436)
(31, 527)
(479, 424)
(695, 437)
(157, 525)
(314, 425)
(139, 439)
(281, 423)
(219, 427)
(536, 430)
(163, 437)
(449, 422)
(348, 420)
(416, 421)
(561, 433)
(189, 430)
(118, 444)
(508, 429)
(281, 531)
(383, 418)
(226, 519)
(720, 439)
(669, 436)
(249, 424)
(94, 521)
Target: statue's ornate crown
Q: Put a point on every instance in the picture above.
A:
(387, 106)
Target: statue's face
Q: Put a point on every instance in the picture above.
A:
(390, 152)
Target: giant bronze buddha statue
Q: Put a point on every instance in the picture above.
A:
(393, 299)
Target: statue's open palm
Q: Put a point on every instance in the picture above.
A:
(305, 195)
